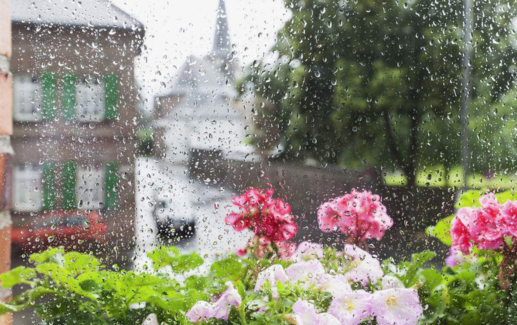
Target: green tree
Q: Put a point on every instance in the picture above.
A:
(378, 82)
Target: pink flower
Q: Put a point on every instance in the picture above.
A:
(305, 314)
(456, 257)
(396, 306)
(229, 298)
(360, 215)
(508, 218)
(351, 307)
(364, 267)
(285, 250)
(305, 271)
(460, 236)
(479, 226)
(264, 215)
(272, 274)
(203, 310)
(307, 251)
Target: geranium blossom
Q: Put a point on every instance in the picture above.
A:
(272, 274)
(220, 309)
(484, 226)
(508, 218)
(264, 215)
(398, 306)
(305, 271)
(360, 215)
(364, 267)
(351, 307)
(307, 251)
(305, 314)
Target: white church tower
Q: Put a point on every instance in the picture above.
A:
(199, 114)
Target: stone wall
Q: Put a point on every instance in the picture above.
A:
(6, 152)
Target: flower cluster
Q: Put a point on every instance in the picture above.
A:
(394, 304)
(203, 310)
(267, 217)
(486, 226)
(359, 215)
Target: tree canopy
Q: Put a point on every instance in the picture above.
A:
(378, 82)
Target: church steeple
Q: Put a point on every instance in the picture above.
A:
(222, 45)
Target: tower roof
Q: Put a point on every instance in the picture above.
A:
(222, 45)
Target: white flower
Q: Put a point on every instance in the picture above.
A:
(391, 282)
(397, 306)
(335, 284)
(351, 307)
(305, 271)
(272, 274)
(365, 268)
(307, 251)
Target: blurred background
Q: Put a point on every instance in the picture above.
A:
(135, 123)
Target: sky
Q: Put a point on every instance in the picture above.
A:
(176, 29)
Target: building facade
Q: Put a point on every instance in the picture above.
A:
(74, 110)
(6, 153)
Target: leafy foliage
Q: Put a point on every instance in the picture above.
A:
(379, 83)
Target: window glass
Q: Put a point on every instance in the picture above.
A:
(254, 162)
(90, 187)
(90, 100)
(27, 187)
(27, 99)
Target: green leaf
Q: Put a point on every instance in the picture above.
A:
(469, 199)
(16, 276)
(163, 256)
(79, 263)
(229, 269)
(51, 255)
(505, 196)
(442, 230)
(411, 269)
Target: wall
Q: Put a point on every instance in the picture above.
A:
(6, 153)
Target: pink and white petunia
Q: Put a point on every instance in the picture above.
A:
(305, 314)
(307, 251)
(305, 271)
(335, 284)
(229, 298)
(391, 282)
(202, 310)
(272, 274)
(398, 306)
(351, 307)
(365, 268)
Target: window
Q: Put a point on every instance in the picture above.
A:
(27, 99)
(91, 101)
(90, 187)
(27, 188)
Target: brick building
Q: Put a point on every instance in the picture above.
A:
(6, 129)
(74, 110)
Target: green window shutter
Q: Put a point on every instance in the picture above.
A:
(48, 95)
(110, 185)
(69, 96)
(69, 185)
(49, 186)
(111, 96)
